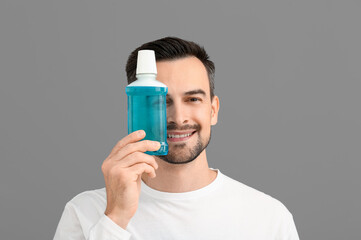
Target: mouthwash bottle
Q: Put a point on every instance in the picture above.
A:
(147, 107)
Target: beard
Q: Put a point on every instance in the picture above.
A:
(180, 153)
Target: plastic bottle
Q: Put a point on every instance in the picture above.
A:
(147, 107)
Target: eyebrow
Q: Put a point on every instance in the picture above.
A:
(192, 92)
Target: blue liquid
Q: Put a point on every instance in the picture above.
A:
(147, 111)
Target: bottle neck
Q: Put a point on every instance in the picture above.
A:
(147, 80)
(146, 75)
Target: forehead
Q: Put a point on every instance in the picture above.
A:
(182, 75)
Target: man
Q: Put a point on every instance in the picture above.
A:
(175, 196)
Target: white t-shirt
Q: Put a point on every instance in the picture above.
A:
(224, 209)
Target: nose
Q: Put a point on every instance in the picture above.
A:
(177, 114)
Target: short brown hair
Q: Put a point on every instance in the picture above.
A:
(171, 48)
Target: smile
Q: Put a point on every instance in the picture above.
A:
(178, 137)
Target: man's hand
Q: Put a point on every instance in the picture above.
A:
(122, 170)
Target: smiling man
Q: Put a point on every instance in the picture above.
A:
(176, 196)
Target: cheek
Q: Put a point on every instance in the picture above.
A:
(203, 117)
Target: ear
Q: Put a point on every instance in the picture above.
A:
(215, 109)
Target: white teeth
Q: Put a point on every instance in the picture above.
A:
(179, 136)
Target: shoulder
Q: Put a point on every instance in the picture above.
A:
(89, 200)
(253, 198)
(259, 209)
(82, 212)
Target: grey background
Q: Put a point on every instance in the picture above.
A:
(287, 74)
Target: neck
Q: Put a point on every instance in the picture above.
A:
(179, 178)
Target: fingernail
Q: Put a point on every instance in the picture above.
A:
(140, 133)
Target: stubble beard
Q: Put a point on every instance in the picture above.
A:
(186, 156)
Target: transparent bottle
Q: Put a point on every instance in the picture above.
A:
(147, 107)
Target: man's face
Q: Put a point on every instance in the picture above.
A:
(190, 111)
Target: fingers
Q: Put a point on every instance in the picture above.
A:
(142, 146)
(132, 137)
(138, 157)
(129, 153)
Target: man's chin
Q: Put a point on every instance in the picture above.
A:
(176, 157)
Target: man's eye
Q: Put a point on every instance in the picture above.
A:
(194, 99)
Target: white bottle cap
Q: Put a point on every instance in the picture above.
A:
(146, 62)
